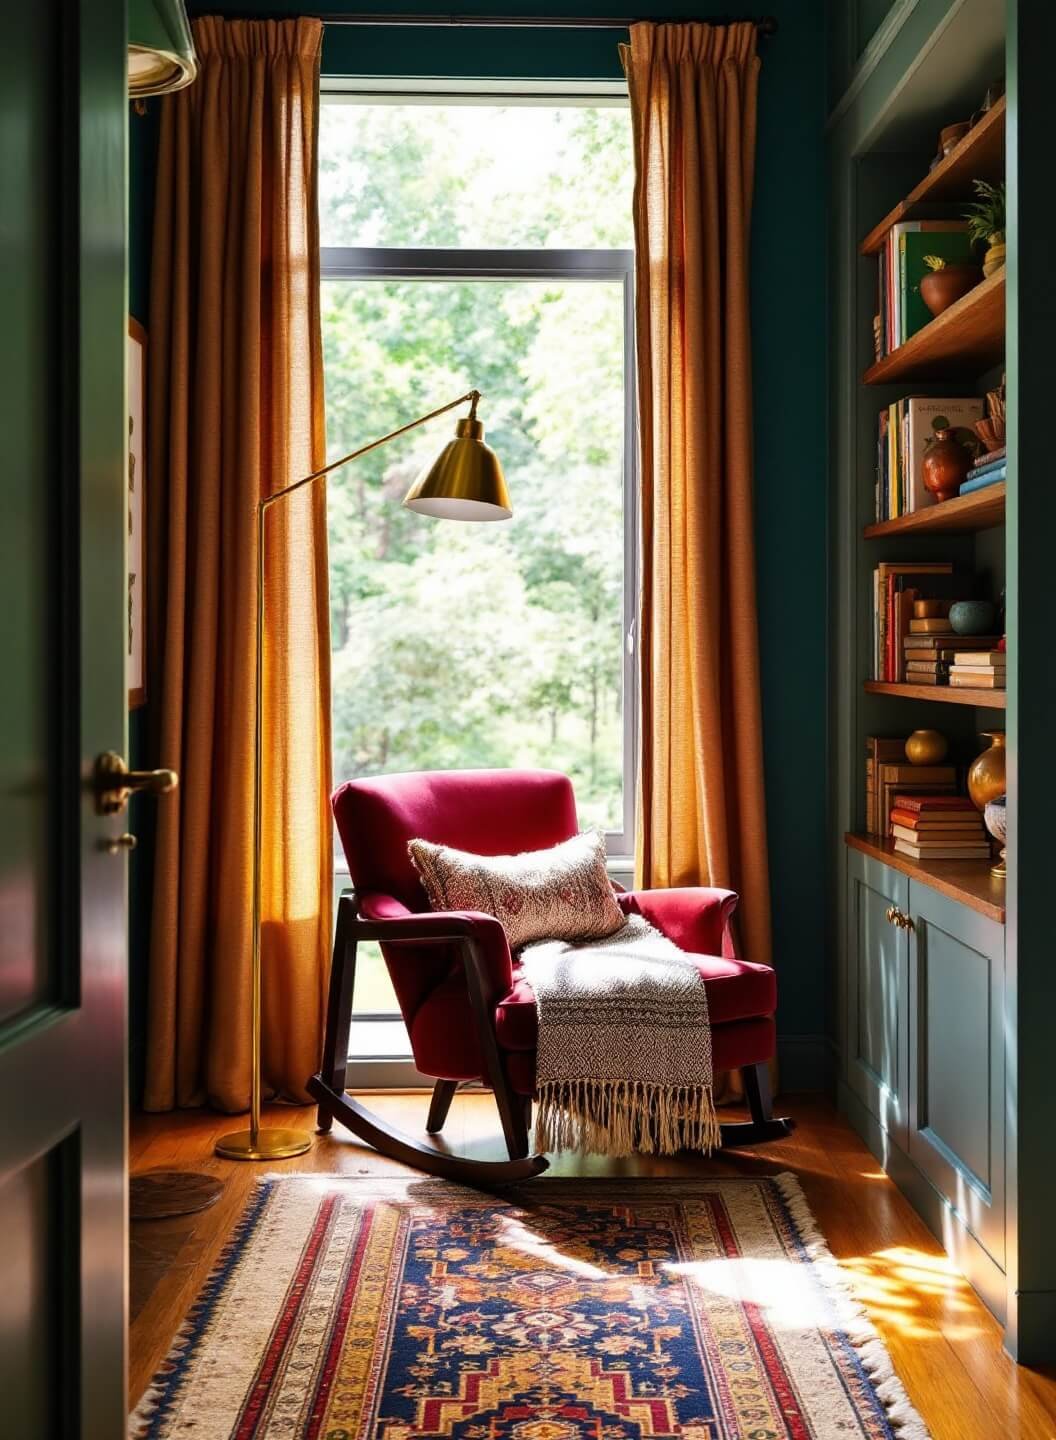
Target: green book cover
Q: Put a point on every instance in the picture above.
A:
(955, 248)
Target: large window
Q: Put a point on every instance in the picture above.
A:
(482, 244)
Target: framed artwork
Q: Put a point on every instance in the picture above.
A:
(136, 542)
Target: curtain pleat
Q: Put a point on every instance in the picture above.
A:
(235, 412)
(701, 803)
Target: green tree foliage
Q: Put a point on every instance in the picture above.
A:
(467, 645)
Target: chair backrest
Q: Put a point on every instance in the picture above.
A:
(489, 812)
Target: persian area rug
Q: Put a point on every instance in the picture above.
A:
(377, 1309)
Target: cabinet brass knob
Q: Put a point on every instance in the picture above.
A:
(898, 918)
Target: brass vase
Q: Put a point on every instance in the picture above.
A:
(926, 747)
(986, 777)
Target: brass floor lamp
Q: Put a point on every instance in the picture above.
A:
(465, 482)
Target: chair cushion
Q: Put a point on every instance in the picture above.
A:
(444, 1039)
(561, 893)
(736, 989)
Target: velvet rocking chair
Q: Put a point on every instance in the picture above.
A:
(469, 1011)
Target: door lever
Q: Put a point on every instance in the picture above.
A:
(113, 782)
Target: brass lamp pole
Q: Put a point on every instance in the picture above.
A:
(465, 482)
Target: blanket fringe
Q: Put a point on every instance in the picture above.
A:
(625, 1117)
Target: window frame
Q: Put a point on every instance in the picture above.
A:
(370, 263)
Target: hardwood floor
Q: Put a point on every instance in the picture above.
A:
(944, 1343)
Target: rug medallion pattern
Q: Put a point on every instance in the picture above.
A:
(413, 1310)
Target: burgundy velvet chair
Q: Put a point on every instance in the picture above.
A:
(469, 1011)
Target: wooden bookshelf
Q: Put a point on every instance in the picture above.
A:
(944, 694)
(966, 339)
(979, 156)
(978, 511)
(968, 881)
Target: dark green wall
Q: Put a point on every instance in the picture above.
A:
(788, 318)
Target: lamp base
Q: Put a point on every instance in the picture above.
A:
(272, 1144)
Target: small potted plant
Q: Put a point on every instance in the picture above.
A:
(946, 283)
(986, 223)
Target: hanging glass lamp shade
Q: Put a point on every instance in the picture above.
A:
(160, 48)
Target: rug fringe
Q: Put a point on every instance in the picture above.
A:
(852, 1317)
(625, 1117)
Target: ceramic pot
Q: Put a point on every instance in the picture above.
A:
(995, 821)
(926, 747)
(986, 775)
(972, 617)
(940, 288)
(946, 463)
(994, 258)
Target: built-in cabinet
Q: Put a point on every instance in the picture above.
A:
(925, 1057)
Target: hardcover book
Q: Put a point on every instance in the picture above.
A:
(948, 239)
(924, 415)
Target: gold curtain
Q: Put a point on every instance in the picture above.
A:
(235, 411)
(701, 802)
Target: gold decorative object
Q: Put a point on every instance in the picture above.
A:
(926, 747)
(465, 483)
(930, 609)
(986, 777)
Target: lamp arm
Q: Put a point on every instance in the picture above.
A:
(258, 1148)
(472, 395)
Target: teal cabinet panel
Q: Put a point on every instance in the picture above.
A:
(877, 989)
(957, 1061)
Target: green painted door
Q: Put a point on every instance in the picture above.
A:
(62, 587)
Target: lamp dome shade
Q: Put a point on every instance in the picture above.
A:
(464, 482)
(160, 48)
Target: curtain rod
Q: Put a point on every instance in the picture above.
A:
(766, 26)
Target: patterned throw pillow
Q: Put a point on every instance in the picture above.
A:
(558, 894)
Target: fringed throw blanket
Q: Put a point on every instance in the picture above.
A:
(624, 1051)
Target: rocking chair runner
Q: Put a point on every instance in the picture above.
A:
(469, 1011)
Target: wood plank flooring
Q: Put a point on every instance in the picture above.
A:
(945, 1345)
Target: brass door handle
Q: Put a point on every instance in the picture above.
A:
(898, 918)
(113, 782)
(118, 843)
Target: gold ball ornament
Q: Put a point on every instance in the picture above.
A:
(927, 747)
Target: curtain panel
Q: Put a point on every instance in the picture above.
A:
(701, 804)
(235, 411)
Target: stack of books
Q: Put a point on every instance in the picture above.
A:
(938, 827)
(905, 430)
(981, 668)
(987, 470)
(888, 773)
(895, 587)
(903, 266)
(931, 649)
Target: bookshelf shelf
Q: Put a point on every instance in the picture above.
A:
(979, 156)
(944, 694)
(968, 881)
(978, 511)
(966, 339)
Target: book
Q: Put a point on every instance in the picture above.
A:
(980, 657)
(979, 468)
(946, 238)
(878, 748)
(927, 667)
(970, 486)
(933, 832)
(921, 803)
(949, 641)
(943, 852)
(966, 840)
(964, 669)
(977, 682)
(927, 677)
(935, 817)
(895, 779)
(939, 625)
(998, 454)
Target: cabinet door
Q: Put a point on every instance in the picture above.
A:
(957, 1061)
(877, 991)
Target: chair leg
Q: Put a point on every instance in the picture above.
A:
(443, 1094)
(763, 1124)
(338, 1013)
